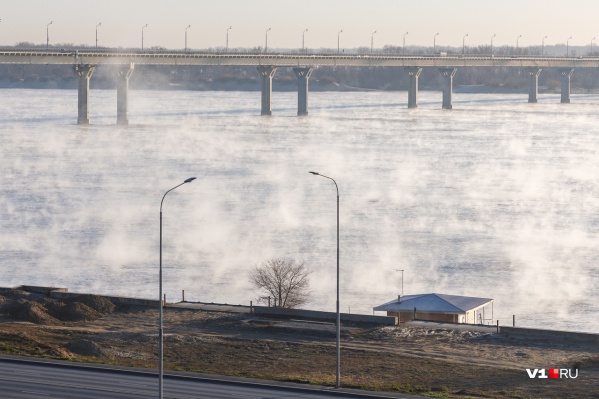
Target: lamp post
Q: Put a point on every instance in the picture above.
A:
(304, 40)
(404, 43)
(187, 27)
(142, 35)
(48, 35)
(227, 42)
(592, 40)
(464, 44)
(435, 42)
(97, 26)
(338, 350)
(568, 46)
(338, 34)
(543, 45)
(266, 41)
(160, 332)
(372, 41)
(518, 43)
(492, 43)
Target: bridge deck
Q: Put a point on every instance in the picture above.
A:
(71, 57)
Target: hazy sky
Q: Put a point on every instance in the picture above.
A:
(75, 22)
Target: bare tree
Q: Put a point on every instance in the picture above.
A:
(283, 279)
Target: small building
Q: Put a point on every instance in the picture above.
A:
(439, 307)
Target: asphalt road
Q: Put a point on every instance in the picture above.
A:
(32, 379)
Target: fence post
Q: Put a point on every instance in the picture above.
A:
(497, 326)
(183, 294)
(514, 321)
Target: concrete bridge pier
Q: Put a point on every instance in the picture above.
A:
(447, 75)
(85, 73)
(533, 84)
(303, 75)
(414, 73)
(122, 92)
(566, 74)
(266, 72)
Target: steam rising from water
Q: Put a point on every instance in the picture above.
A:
(497, 198)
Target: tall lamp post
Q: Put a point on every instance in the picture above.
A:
(97, 26)
(266, 41)
(568, 46)
(372, 41)
(492, 43)
(48, 35)
(227, 42)
(160, 332)
(464, 44)
(187, 27)
(338, 34)
(592, 40)
(338, 372)
(142, 35)
(435, 42)
(543, 45)
(518, 43)
(303, 40)
(404, 43)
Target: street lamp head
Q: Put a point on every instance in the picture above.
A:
(315, 173)
(99, 24)
(51, 22)
(189, 180)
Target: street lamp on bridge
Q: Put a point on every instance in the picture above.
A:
(338, 34)
(97, 26)
(492, 43)
(568, 46)
(518, 43)
(543, 45)
(464, 44)
(304, 40)
(372, 41)
(266, 41)
(142, 35)
(187, 27)
(592, 40)
(404, 43)
(48, 35)
(227, 41)
(435, 42)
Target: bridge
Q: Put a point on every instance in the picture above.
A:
(84, 63)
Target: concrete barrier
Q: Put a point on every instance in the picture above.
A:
(33, 288)
(549, 335)
(117, 300)
(323, 316)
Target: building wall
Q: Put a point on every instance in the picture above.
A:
(409, 316)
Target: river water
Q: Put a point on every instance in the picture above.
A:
(497, 198)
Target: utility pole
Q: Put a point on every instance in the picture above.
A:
(401, 270)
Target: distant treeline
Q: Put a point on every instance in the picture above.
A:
(323, 78)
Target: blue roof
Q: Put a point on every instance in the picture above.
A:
(435, 303)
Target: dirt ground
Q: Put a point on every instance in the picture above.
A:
(432, 362)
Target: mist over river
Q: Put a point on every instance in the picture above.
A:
(496, 198)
